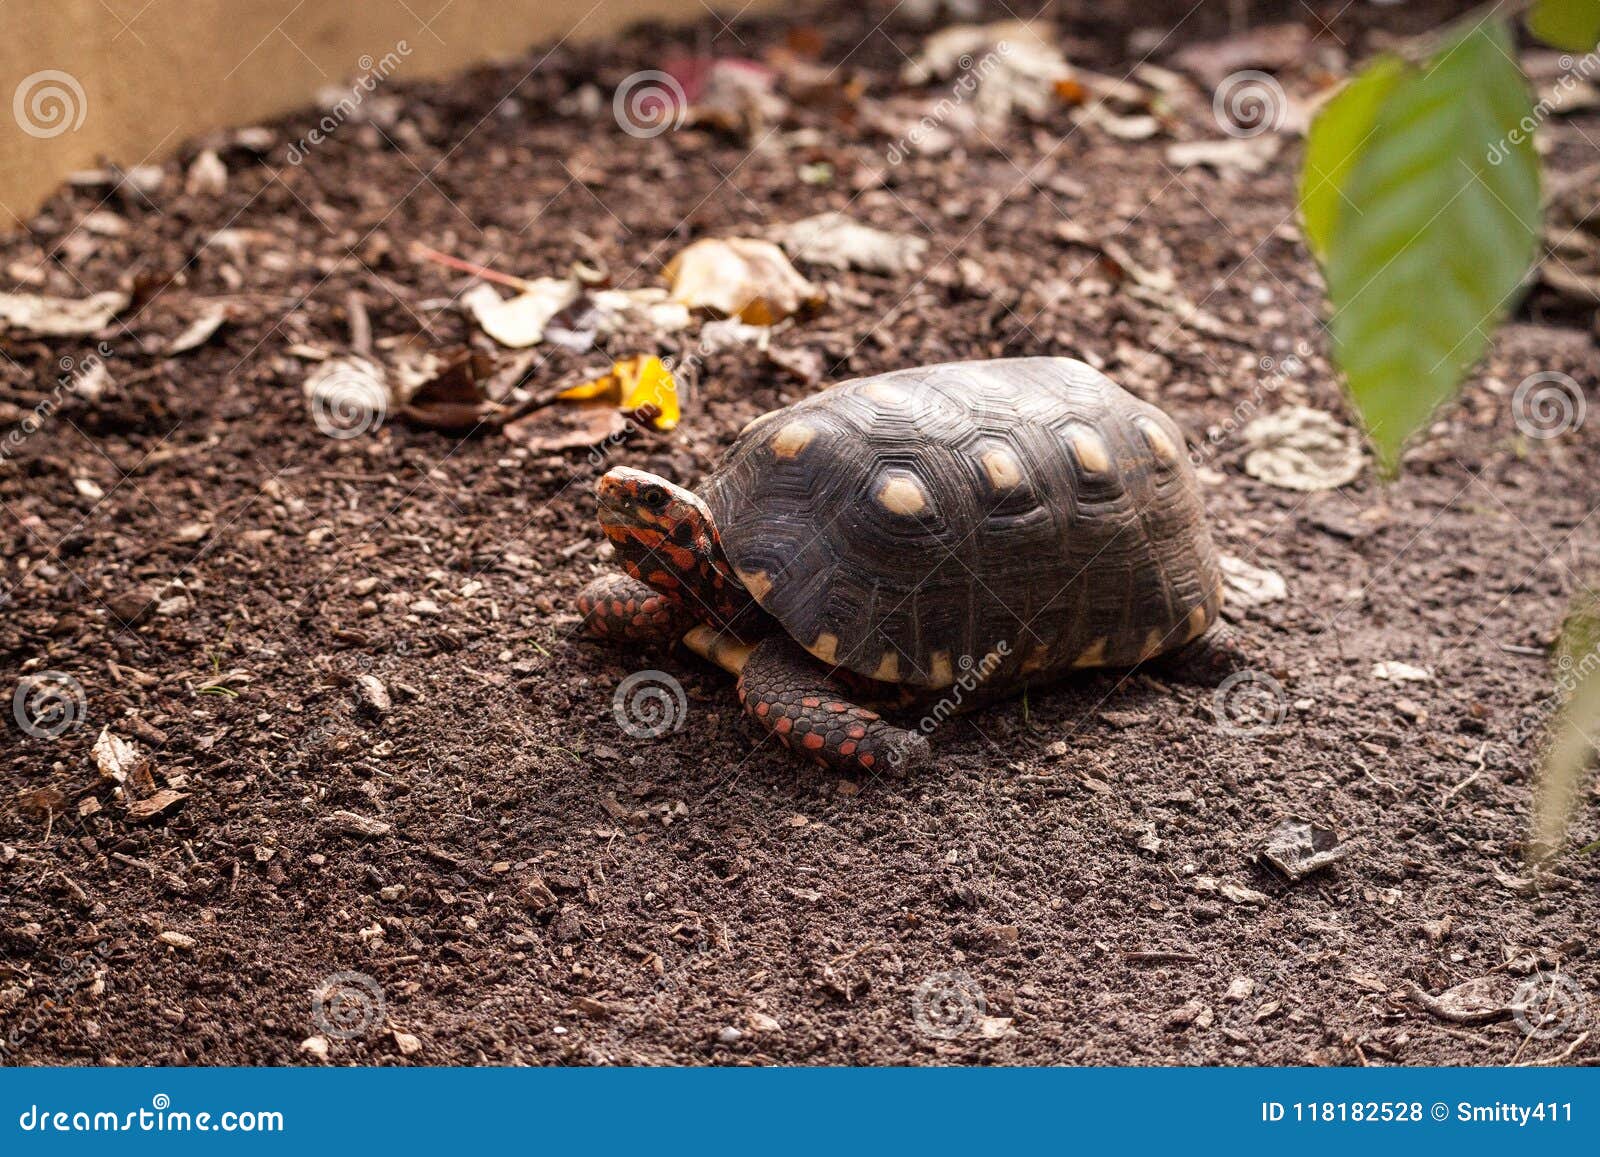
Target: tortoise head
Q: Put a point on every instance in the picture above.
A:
(664, 536)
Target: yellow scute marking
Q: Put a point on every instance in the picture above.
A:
(1094, 655)
(883, 393)
(1152, 644)
(826, 647)
(793, 438)
(889, 668)
(902, 495)
(757, 582)
(940, 673)
(1160, 444)
(1090, 448)
(1003, 470)
(1037, 660)
(1198, 622)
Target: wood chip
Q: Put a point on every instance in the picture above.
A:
(363, 827)
(162, 803)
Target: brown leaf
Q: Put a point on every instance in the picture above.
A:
(455, 396)
(566, 427)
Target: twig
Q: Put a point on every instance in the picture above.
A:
(360, 324)
(428, 253)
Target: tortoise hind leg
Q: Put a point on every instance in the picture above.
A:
(1205, 661)
(783, 689)
(618, 606)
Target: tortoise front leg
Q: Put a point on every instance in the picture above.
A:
(784, 690)
(620, 607)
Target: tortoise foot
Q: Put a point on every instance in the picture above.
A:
(620, 607)
(783, 689)
(1208, 660)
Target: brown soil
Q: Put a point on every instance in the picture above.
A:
(548, 890)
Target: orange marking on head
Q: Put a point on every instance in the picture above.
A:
(868, 760)
(857, 732)
(784, 725)
(680, 558)
(848, 747)
(814, 741)
(762, 709)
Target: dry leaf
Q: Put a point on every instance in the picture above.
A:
(556, 428)
(649, 310)
(519, 322)
(1249, 585)
(207, 176)
(1230, 154)
(445, 391)
(1299, 448)
(1396, 672)
(200, 330)
(46, 316)
(835, 240)
(1297, 849)
(741, 277)
(1014, 63)
(121, 763)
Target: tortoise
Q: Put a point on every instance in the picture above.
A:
(944, 533)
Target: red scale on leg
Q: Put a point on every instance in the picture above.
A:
(784, 690)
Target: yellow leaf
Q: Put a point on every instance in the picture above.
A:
(635, 384)
(646, 382)
(604, 386)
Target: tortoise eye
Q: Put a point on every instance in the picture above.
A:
(653, 496)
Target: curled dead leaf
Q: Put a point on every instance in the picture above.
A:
(741, 277)
(46, 316)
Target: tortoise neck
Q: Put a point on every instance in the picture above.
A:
(681, 556)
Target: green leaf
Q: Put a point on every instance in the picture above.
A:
(1438, 226)
(1337, 137)
(1571, 751)
(1572, 25)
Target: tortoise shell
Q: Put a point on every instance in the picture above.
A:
(1020, 516)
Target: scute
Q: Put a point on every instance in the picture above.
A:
(1009, 518)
